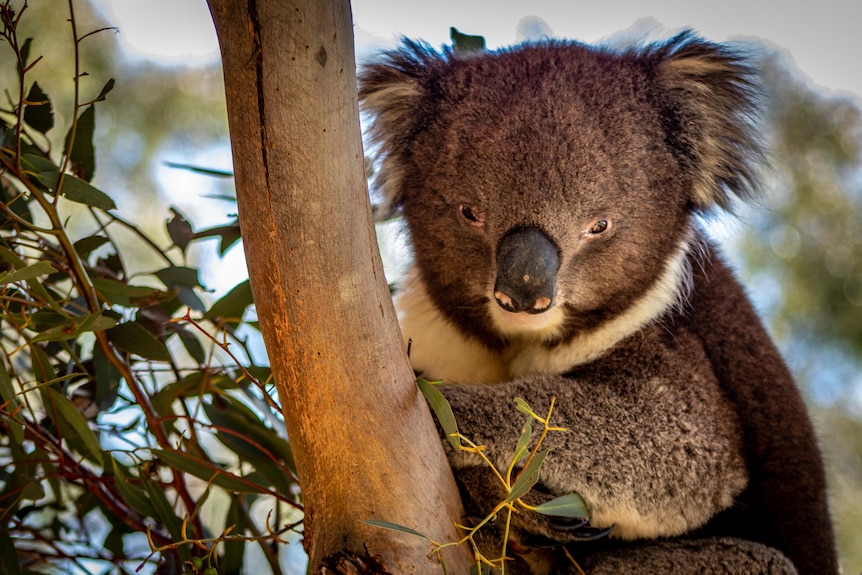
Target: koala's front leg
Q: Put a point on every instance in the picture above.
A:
(653, 447)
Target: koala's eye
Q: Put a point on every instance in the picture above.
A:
(599, 227)
(596, 228)
(471, 215)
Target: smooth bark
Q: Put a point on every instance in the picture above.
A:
(364, 442)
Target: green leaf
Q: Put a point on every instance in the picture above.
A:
(134, 493)
(232, 306)
(75, 327)
(114, 539)
(109, 85)
(255, 443)
(180, 230)
(119, 293)
(466, 43)
(107, 379)
(528, 477)
(231, 559)
(521, 450)
(163, 509)
(86, 246)
(569, 505)
(25, 53)
(72, 419)
(78, 191)
(393, 527)
(134, 338)
(10, 403)
(199, 170)
(40, 363)
(8, 556)
(179, 276)
(192, 345)
(81, 151)
(188, 297)
(47, 319)
(208, 472)
(38, 112)
(229, 233)
(44, 170)
(27, 273)
(442, 410)
(524, 407)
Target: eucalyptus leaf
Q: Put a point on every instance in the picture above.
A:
(134, 492)
(10, 402)
(232, 306)
(521, 450)
(528, 477)
(233, 551)
(8, 556)
(180, 230)
(107, 379)
(27, 273)
(85, 246)
(179, 276)
(442, 410)
(81, 192)
(393, 527)
(79, 146)
(569, 505)
(75, 327)
(163, 509)
(208, 472)
(126, 295)
(133, 337)
(38, 112)
(70, 419)
(109, 85)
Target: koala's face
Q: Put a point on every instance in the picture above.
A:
(542, 206)
(548, 188)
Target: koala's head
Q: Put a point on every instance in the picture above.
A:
(547, 187)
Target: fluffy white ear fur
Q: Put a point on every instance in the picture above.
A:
(713, 96)
(439, 350)
(393, 109)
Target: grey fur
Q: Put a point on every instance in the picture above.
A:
(687, 431)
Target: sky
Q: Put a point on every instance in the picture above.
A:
(822, 37)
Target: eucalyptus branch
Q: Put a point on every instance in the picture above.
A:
(268, 551)
(225, 347)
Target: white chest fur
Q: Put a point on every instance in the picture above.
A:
(439, 350)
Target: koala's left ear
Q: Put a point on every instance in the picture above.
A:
(708, 97)
(393, 93)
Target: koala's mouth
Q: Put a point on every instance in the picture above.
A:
(545, 324)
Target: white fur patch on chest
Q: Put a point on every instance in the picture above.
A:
(439, 350)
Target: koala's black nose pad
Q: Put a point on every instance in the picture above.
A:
(527, 265)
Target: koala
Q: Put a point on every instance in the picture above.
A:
(552, 193)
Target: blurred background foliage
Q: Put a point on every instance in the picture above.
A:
(87, 469)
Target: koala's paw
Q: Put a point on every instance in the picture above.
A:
(529, 529)
(540, 530)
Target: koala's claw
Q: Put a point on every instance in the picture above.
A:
(566, 523)
(591, 533)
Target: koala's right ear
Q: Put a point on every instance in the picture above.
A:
(393, 94)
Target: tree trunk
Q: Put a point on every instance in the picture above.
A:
(363, 438)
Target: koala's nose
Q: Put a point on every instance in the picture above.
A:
(527, 265)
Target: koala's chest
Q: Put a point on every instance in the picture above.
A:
(438, 350)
